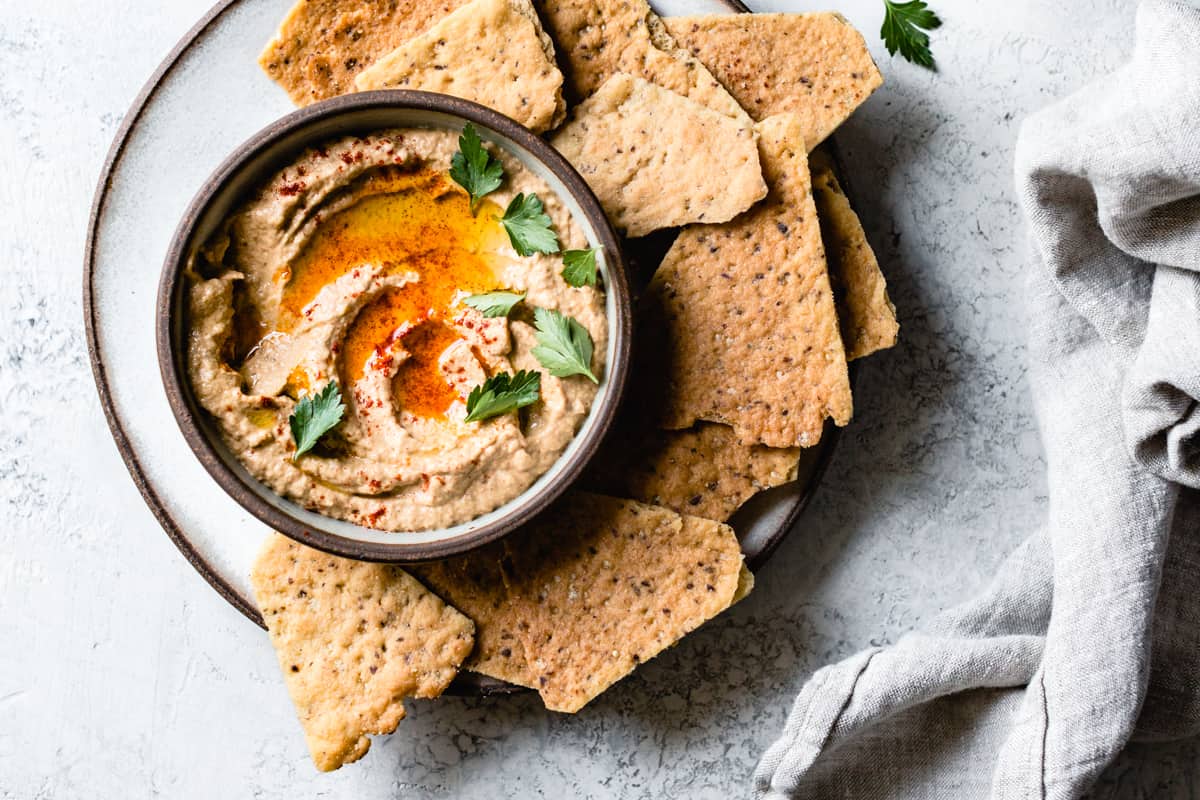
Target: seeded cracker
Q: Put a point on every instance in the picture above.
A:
(814, 65)
(473, 583)
(748, 313)
(493, 52)
(598, 38)
(322, 44)
(868, 318)
(602, 585)
(657, 160)
(703, 470)
(353, 639)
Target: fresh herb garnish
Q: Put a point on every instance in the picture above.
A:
(474, 168)
(494, 304)
(904, 26)
(564, 347)
(315, 416)
(579, 267)
(528, 226)
(501, 394)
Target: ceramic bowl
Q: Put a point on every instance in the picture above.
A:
(252, 164)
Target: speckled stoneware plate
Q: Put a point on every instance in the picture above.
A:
(206, 98)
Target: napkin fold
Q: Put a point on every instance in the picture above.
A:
(1089, 635)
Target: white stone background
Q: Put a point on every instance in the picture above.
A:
(123, 675)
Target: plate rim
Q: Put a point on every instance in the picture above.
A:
(99, 373)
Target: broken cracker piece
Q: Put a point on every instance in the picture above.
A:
(814, 65)
(353, 639)
(602, 585)
(703, 470)
(598, 38)
(866, 313)
(323, 44)
(658, 160)
(493, 52)
(748, 314)
(473, 583)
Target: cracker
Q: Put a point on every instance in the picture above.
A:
(598, 38)
(814, 65)
(657, 160)
(492, 52)
(703, 470)
(603, 585)
(748, 314)
(745, 585)
(353, 639)
(473, 583)
(867, 316)
(323, 44)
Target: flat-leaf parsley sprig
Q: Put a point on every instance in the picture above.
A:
(474, 168)
(503, 393)
(529, 227)
(315, 416)
(564, 347)
(904, 26)
(494, 304)
(579, 267)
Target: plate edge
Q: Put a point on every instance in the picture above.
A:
(121, 439)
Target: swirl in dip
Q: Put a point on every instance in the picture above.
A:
(350, 266)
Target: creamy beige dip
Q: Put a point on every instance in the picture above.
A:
(350, 265)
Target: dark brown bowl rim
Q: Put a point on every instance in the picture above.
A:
(179, 392)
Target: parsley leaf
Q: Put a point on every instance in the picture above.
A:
(494, 304)
(315, 415)
(579, 267)
(474, 168)
(501, 394)
(564, 347)
(903, 29)
(528, 226)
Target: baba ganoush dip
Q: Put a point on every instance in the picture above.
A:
(351, 266)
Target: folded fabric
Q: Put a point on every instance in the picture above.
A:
(1090, 633)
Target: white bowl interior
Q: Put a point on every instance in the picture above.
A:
(358, 122)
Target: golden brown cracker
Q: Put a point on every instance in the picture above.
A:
(323, 44)
(866, 314)
(816, 66)
(598, 38)
(603, 585)
(657, 160)
(492, 52)
(353, 639)
(703, 470)
(751, 329)
(473, 583)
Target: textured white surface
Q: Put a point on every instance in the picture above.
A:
(123, 675)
